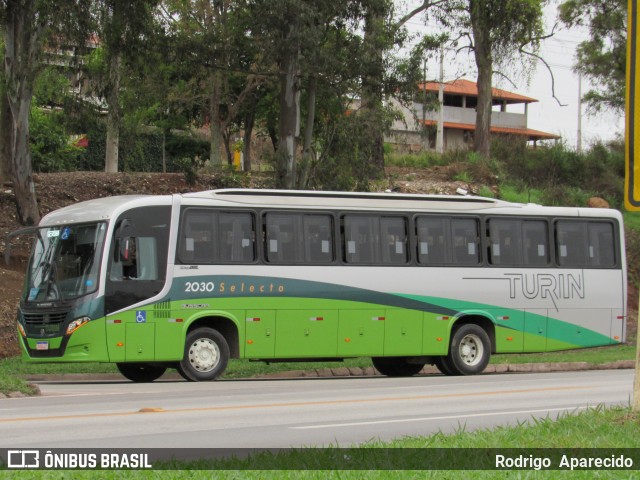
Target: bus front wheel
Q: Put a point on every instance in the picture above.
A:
(469, 351)
(396, 366)
(206, 354)
(140, 372)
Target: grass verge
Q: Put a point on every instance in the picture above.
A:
(597, 428)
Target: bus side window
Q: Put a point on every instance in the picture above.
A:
(394, 240)
(318, 239)
(535, 242)
(571, 248)
(432, 239)
(283, 238)
(197, 239)
(236, 237)
(465, 236)
(505, 241)
(209, 236)
(601, 244)
(362, 239)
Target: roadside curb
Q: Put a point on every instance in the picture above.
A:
(432, 370)
(361, 372)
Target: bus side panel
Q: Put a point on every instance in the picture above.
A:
(361, 332)
(260, 328)
(435, 334)
(535, 325)
(403, 332)
(140, 342)
(587, 329)
(306, 333)
(509, 330)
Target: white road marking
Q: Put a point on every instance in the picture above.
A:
(428, 419)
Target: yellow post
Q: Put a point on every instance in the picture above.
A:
(632, 146)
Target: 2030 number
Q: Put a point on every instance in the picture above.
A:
(199, 287)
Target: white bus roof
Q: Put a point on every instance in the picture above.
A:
(108, 207)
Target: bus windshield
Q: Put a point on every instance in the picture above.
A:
(65, 262)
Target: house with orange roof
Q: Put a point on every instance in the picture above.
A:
(408, 133)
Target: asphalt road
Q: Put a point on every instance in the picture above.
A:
(290, 413)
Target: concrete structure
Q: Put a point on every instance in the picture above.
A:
(416, 130)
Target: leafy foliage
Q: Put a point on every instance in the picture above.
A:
(51, 149)
(602, 58)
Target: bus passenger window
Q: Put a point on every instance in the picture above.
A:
(297, 238)
(210, 236)
(535, 242)
(505, 241)
(601, 244)
(432, 239)
(318, 239)
(466, 236)
(394, 240)
(571, 248)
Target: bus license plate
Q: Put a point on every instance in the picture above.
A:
(42, 346)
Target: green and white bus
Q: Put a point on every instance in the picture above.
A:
(189, 281)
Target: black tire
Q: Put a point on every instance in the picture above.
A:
(442, 364)
(140, 372)
(206, 354)
(396, 366)
(469, 351)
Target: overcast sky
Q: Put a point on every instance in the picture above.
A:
(546, 115)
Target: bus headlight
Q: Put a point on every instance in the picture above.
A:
(76, 324)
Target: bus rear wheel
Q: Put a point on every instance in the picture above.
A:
(140, 372)
(469, 351)
(206, 354)
(396, 366)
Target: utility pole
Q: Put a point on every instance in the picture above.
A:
(579, 145)
(425, 132)
(440, 130)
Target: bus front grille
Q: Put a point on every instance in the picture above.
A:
(48, 318)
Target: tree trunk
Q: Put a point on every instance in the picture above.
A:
(215, 156)
(23, 185)
(375, 44)
(113, 115)
(289, 114)
(484, 63)
(305, 164)
(21, 38)
(249, 121)
(6, 139)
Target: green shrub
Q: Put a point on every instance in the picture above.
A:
(51, 147)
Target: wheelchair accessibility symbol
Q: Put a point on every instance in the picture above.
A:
(141, 316)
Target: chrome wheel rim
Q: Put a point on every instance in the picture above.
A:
(471, 350)
(204, 355)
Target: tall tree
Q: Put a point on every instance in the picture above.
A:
(219, 55)
(501, 29)
(382, 32)
(602, 57)
(121, 26)
(26, 26)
